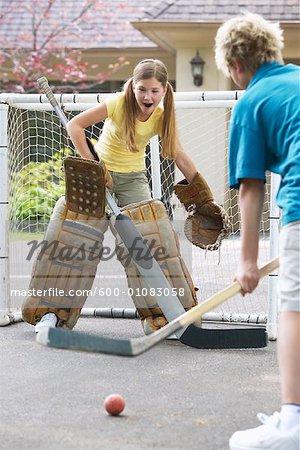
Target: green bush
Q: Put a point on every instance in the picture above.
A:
(36, 188)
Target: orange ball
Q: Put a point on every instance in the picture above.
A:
(114, 404)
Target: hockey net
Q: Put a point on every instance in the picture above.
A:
(36, 145)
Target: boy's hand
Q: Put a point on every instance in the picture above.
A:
(247, 276)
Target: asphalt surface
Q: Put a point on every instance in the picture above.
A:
(177, 397)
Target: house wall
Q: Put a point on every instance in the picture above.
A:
(203, 132)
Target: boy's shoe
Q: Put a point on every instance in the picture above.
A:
(48, 320)
(267, 436)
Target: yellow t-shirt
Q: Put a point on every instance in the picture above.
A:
(112, 146)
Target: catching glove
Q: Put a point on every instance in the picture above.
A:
(207, 223)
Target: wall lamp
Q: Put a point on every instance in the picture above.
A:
(197, 64)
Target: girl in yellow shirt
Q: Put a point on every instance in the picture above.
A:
(131, 119)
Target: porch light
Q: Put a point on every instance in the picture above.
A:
(197, 64)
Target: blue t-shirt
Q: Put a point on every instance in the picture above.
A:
(265, 134)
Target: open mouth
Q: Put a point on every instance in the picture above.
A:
(148, 105)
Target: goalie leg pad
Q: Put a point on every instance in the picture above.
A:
(65, 267)
(152, 221)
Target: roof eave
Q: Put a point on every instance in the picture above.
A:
(154, 29)
(145, 23)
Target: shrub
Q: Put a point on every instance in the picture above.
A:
(35, 189)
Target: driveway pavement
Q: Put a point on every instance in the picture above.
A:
(176, 397)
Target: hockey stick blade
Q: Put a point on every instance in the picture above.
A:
(221, 338)
(73, 340)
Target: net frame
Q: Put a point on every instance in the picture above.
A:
(184, 101)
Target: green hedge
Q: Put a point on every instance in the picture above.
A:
(36, 188)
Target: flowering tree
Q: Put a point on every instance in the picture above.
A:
(36, 40)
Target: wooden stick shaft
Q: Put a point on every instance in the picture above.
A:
(217, 299)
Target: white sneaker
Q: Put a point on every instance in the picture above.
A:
(267, 436)
(48, 320)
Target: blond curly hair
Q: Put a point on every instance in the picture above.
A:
(250, 39)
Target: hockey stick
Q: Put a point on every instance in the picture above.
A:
(154, 278)
(73, 340)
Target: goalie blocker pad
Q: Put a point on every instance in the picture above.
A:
(65, 267)
(85, 186)
(152, 221)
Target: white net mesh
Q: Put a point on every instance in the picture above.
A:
(37, 143)
(204, 136)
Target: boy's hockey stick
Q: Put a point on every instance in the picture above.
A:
(154, 278)
(73, 340)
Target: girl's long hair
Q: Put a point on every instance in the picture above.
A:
(146, 69)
